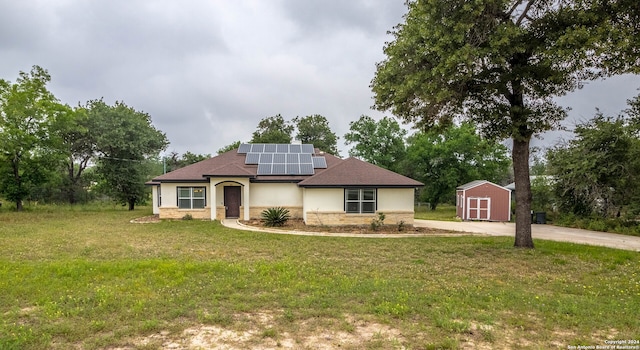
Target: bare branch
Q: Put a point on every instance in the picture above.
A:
(514, 7)
(525, 12)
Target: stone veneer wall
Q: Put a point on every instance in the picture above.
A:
(175, 213)
(342, 218)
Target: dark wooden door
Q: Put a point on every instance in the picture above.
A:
(232, 199)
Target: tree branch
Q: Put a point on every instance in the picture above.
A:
(525, 12)
(514, 7)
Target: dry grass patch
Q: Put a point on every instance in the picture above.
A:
(266, 334)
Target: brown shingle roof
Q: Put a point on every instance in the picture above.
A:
(339, 173)
(357, 173)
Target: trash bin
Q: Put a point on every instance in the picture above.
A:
(541, 217)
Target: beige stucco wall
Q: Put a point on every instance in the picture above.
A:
(395, 199)
(271, 195)
(325, 206)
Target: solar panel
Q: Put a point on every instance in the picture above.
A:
(279, 169)
(295, 148)
(252, 158)
(305, 158)
(293, 169)
(266, 158)
(306, 169)
(319, 162)
(264, 169)
(244, 148)
(280, 158)
(293, 158)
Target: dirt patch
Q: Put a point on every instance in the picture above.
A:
(299, 225)
(265, 334)
(151, 219)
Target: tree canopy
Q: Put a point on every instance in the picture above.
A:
(447, 159)
(273, 130)
(315, 130)
(125, 139)
(31, 119)
(500, 63)
(378, 142)
(599, 170)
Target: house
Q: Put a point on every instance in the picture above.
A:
(483, 200)
(319, 188)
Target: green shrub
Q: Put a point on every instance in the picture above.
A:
(187, 217)
(275, 216)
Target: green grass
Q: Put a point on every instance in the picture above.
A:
(84, 277)
(443, 212)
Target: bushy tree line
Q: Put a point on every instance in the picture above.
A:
(50, 151)
(442, 158)
(597, 173)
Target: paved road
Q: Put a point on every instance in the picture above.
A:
(549, 232)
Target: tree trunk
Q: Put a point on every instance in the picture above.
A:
(132, 204)
(520, 159)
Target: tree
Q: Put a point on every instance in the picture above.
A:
(447, 159)
(272, 130)
(229, 147)
(174, 161)
(125, 139)
(599, 170)
(29, 116)
(79, 143)
(380, 143)
(315, 130)
(500, 63)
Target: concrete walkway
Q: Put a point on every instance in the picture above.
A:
(548, 232)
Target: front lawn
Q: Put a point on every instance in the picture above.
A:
(85, 277)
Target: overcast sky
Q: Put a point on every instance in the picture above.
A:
(208, 71)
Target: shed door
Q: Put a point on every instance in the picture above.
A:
(232, 200)
(478, 208)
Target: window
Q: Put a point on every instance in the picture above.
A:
(159, 196)
(191, 197)
(360, 200)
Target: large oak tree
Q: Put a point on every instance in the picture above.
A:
(501, 63)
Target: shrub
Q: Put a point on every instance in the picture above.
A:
(275, 216)
(378, 222)
(187, 217)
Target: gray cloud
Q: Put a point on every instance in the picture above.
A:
(208, 71)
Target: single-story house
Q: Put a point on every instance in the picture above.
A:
(483, 200)
(319, 188)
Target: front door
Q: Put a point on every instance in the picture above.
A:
(232, 199)
(478, 208)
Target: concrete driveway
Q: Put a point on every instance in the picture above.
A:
(548, 232)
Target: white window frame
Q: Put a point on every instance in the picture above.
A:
(349, 201)
(192, 198)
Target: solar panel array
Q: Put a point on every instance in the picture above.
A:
(282, 159)
(275, 148)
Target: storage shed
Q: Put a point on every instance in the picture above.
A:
(483, 200)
